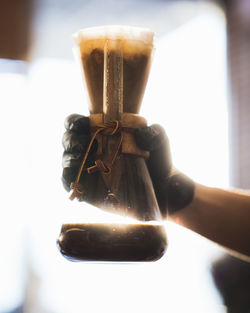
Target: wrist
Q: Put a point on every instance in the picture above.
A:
(175, 193)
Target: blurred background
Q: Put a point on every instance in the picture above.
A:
(199, 90)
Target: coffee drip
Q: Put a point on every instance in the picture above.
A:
(115, 63)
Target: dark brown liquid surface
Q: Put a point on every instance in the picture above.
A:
(135, 75)
(112, 242)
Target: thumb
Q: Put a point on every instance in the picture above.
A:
(174, 190)
(154, 139)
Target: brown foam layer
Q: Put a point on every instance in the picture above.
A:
(130, 48)
(133, 38)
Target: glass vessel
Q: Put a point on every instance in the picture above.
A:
(115, 62)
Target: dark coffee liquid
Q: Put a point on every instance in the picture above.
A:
(112, 242)
(136, 66)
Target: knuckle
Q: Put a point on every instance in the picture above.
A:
(66, 140)
(71, 119)
(150, 137)
(71, 159)
(73, 142)
(77, 123)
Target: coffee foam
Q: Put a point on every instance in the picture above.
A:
(115, 32)
(134, 40)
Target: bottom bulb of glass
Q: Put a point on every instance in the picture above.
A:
(112, 242)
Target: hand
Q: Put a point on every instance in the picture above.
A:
(75, 142)
(173, 189)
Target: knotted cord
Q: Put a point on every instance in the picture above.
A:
(106, 129)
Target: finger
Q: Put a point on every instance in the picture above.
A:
(75, 159)
(89, 184)
(72, 159)
(69, 176)
(77, 123)
(73, 142)
(150, 138)
(155, 140)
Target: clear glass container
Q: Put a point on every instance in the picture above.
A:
(116, 62)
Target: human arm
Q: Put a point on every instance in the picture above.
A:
(222, 216)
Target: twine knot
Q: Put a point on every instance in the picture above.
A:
(106, 129)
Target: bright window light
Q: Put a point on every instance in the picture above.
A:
(186, 94)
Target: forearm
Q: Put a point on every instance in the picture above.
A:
(219, 215)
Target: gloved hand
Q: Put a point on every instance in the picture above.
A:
(173, 190)
(75, 142)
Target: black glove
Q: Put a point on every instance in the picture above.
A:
(75, 142)
(173, 190)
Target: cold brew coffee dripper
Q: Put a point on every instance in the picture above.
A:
(115, 63)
